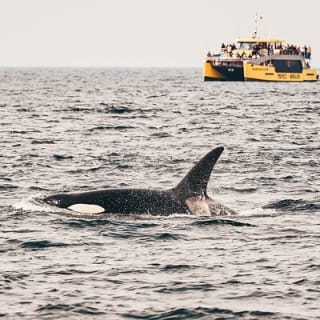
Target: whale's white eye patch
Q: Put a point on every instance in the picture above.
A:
(86, 208)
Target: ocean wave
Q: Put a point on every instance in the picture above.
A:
(242, 190)
(52, 309)
(148, 127)
(87, 223)
(109, 127)
(43, 141)
(203, 313)
(110, 108)
(32, 203)
(166, 236)
(177, 267)
(41, 244)
(61, 157)
(183, 287)
(294, 205)
(210, 222)
(8, 186)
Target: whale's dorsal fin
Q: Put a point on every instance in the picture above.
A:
(195, 183)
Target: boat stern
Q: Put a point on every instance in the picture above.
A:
(210, 73)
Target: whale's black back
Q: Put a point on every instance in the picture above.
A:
(125, 201)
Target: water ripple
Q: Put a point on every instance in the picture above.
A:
(210, 222)
(86, 129)
(43, 244)
(204, 313)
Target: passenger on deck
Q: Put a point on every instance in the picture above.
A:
(229, 50)
(243, 55)
(270, 49)
(308, 55)
(223, 48)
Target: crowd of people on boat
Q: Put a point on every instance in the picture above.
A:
(305, 51)
(261, 49)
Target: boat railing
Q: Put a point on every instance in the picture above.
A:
(226, 62)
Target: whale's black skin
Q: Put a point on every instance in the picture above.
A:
(189, 196)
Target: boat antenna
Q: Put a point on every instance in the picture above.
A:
(255, 34)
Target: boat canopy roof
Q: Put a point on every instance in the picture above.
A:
(260, 40)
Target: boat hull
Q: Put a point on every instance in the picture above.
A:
(222, 72)
(283, 69)
(254, 72)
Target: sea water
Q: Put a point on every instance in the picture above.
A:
(65, 130)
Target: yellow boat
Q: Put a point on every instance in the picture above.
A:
(259, 59)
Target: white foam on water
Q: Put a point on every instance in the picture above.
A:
(31, 204)
(254, 212)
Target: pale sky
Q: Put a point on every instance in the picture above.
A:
(144, 33)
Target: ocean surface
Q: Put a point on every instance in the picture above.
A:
(66, 130)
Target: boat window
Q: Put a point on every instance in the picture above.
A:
(290, 66)
(246, 45)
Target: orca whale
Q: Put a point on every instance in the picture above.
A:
(189, 196)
